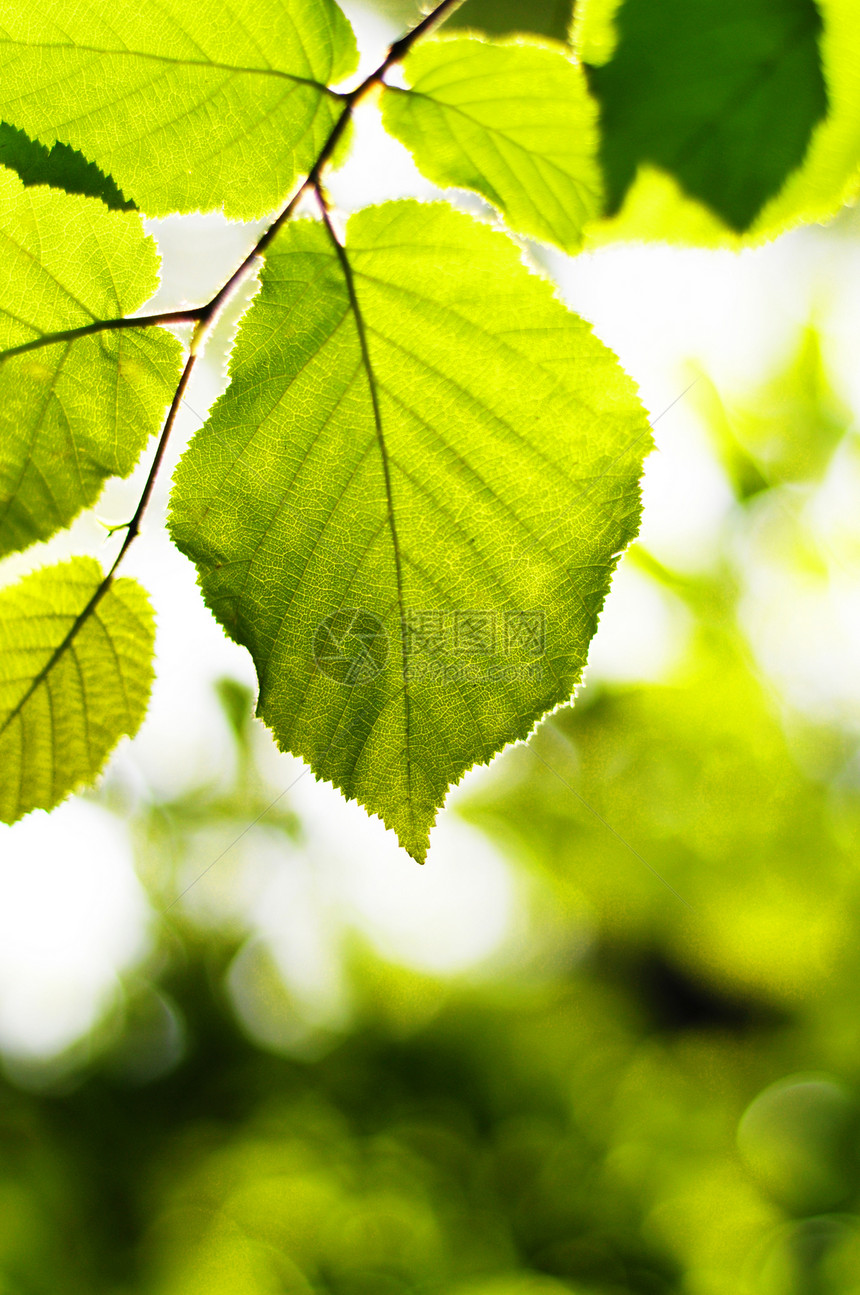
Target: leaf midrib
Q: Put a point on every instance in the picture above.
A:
(75, 47)
(361, 331)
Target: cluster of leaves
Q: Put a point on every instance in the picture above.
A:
(416, 429)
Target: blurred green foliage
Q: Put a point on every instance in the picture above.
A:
(548, 18)
(656, 1092)
(787, 431)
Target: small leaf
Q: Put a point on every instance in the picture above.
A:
(73, 411)
(513, 122)
(187, 104)
(723, 94)
(789, 426)
(63, 711)
(593, 33)
(409, 502)
(60, 167)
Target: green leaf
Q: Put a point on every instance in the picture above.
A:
(830, 174)
(61, 167)
(64, 708)
(409, 502)
(787, 428)
(185, 103)
(656, 209)
(513, 122)
(723, 94)
(74, 410)
(593, 33)
(505, 17)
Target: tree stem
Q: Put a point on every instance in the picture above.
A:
(204, 315)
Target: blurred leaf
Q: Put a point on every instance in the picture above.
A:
(744, 474)
(237, 703)
(830, 173)
(695, 88)
(792, 424)
(513, 122)
(594, 32)
(656, 208)
(505, 17)
(785, 430)
(693, 782)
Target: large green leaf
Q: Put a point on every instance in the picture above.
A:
(514, 122)
(723, 94)
(186, 103)
(73, 410)
(62, 714)
(409, 503)
(504, 17)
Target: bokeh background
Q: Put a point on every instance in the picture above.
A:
(608, 1039)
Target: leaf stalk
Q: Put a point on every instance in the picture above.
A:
(203, 317)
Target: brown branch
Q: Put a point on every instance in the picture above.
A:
(204, 315)
(132, 531)
(102, 326)
(396, 52)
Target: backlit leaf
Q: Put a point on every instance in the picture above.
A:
(513, 122)
(830, 174)
(656, 209)
(410, 514)
(61, 716)
(186, 103)
(73, 410)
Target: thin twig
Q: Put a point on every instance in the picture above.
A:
(396, 52)
(132, 531)
(103, 326)
(203, 317)
(204, 314)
